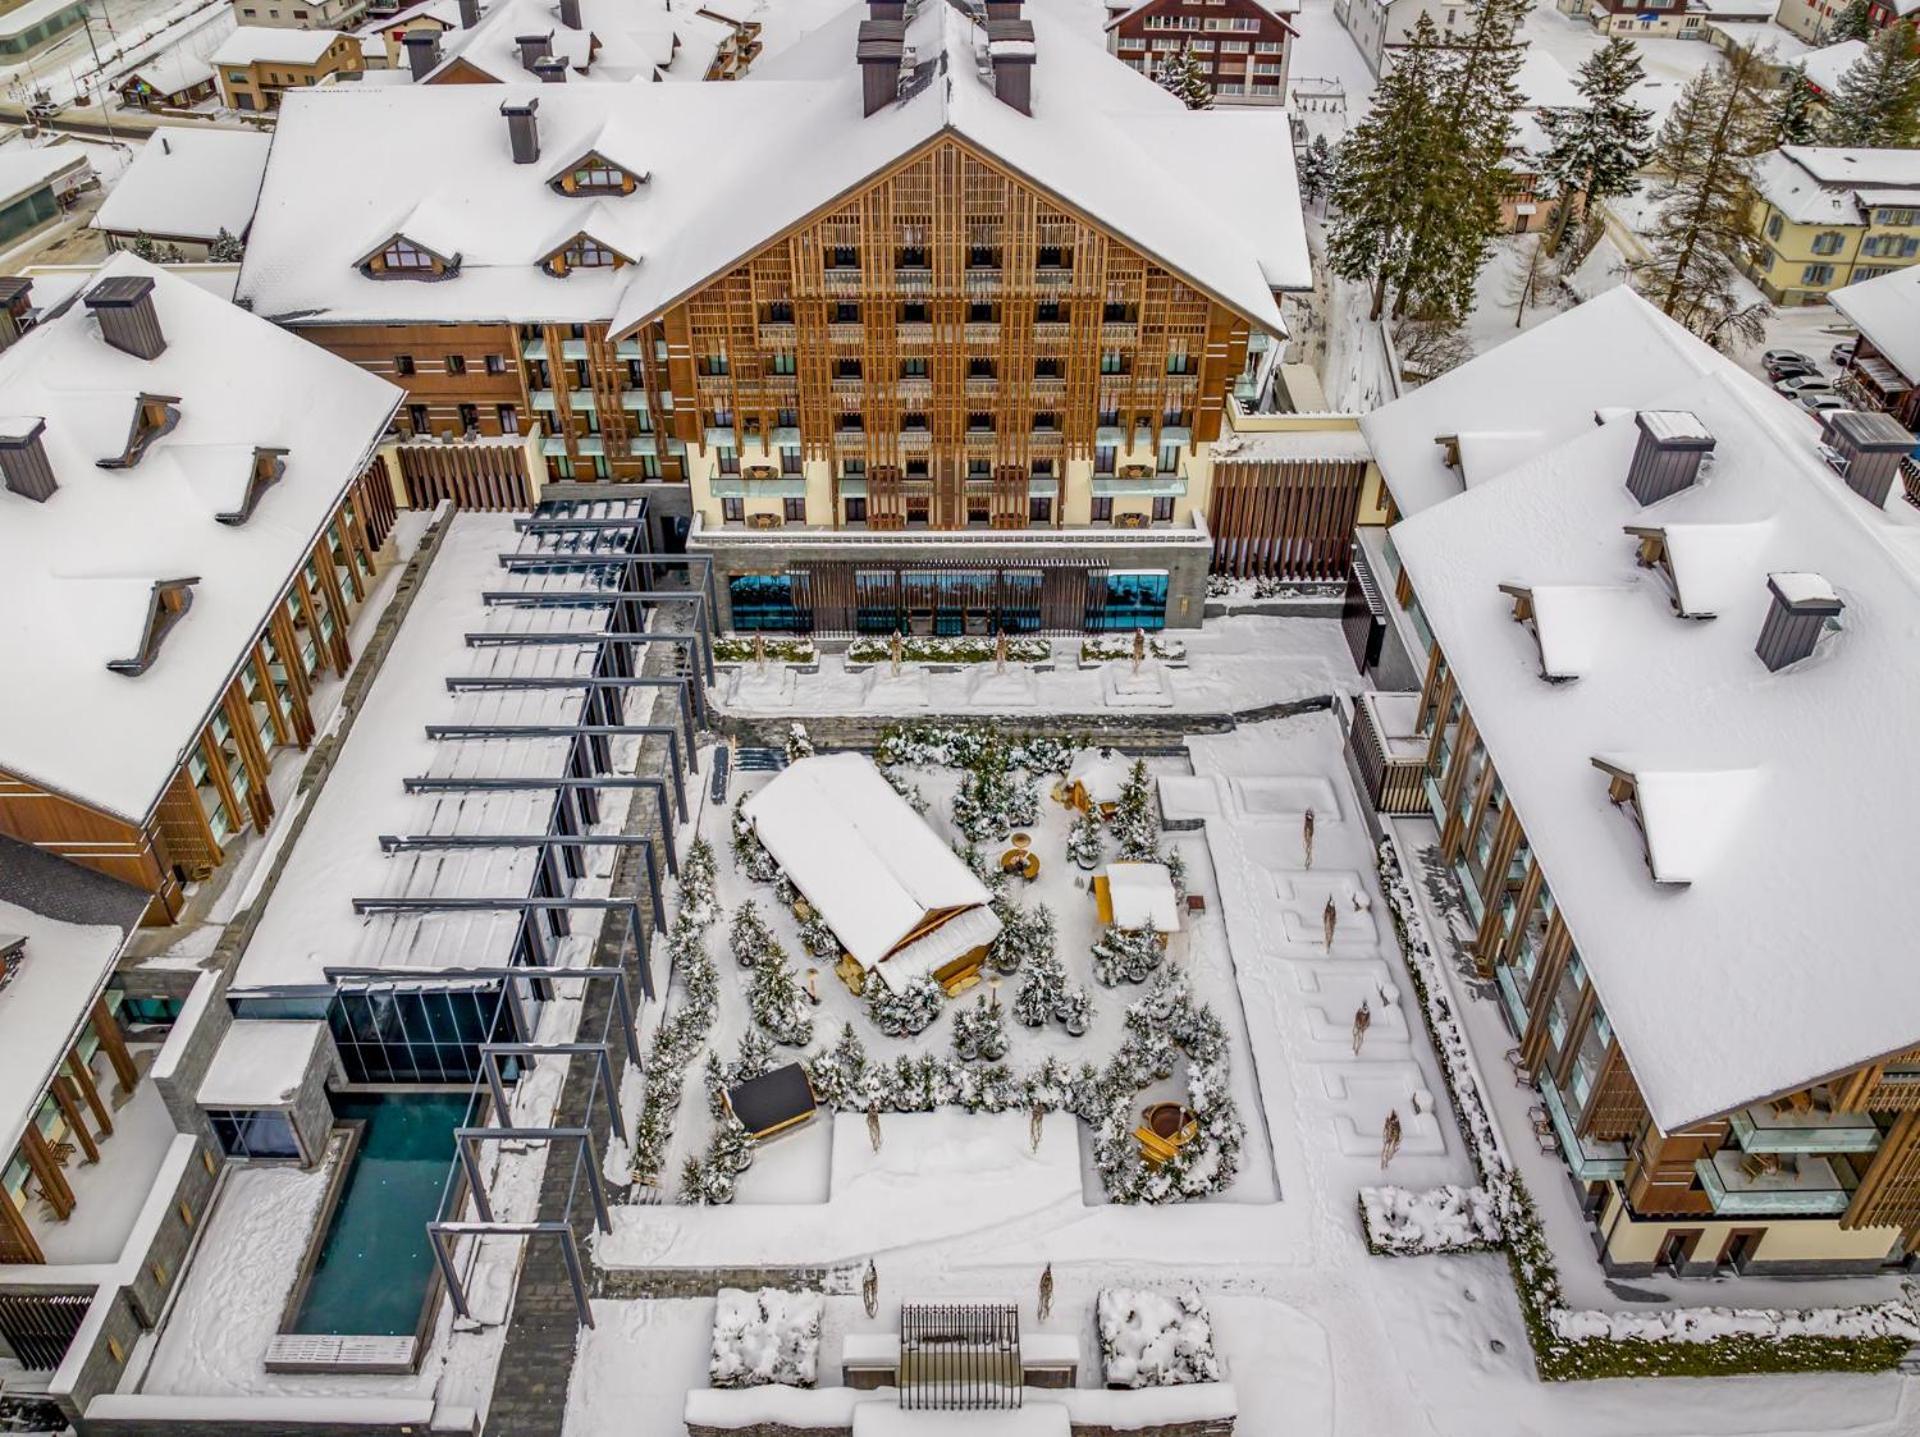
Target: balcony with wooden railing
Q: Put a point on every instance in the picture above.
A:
(1392, 758)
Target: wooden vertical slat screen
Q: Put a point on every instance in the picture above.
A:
(1284, 519)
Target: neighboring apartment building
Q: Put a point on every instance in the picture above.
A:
(36, 182)
(1885, 364)
(301, 14)
(1379, 27)
(185, 187)
(173, 81)
(256, 65)
(872, 318)
(198, 606)
(1661, 629)
(1665, 19)
(29, 26)
(1813, 20)
(1243, 43)
(1833, 217)
(460, 42)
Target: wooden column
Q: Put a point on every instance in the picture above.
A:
(253, 758)
(90, 1090)
(336, 604)
(286, 646)
(17, 1242)
(216, 762)
(69, 1104)
(113, 1042)
(53, 1182)
(1553, 957)
(276, 712)
(1523, 911)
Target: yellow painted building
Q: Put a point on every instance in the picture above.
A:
(1832, 217)
(256, 64)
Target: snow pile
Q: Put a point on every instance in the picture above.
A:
(766, 1337)
(1705, 1324)
(1401, 1223)
(1150, 1340)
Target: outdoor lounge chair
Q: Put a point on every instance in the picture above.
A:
(774, 1102)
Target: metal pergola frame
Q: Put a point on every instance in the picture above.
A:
(598, 637)
(701, 564)
(429, 842)
(692, 695)
(465, 1138)
(531, 903)
(614, 599)
(492, 1053)
(438, 1234)
(569, 782)
(463, 732)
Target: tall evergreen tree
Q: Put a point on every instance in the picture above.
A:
(1595, 150)
(1877, 102)
(1458, 209)
(1701, 235)
(1795, 120)
(1855, 22)
(1383, 167)
(1185, 78)
(1314, 164)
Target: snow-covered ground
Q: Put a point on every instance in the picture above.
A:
(1669, 64)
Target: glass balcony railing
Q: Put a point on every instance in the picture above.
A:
(1759, 1129)
(1755, 1184)
(1592, 1161)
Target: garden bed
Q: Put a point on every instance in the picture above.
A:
(965, 649)
(738, 649)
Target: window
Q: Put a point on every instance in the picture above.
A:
(913, 369)
(979, 509)
(1102, 509)
(1046, 369)
(846, 369)
(982, 256)
(728, 457)
(1104, 457)
(469, 418)
(456, 364)
(1115, 312)
(595, 173)
(714, 363)
(1895, 217)
(979, 369)
(1828, 242)
(1049, 311)
(794, 511)
(253, 1132)
(1180, 362)
(1163, 509)
(1040, 509)
(911, 256)
(782, 362)
(915, 312)
(787, 418)
(404, 254)
(846, 313)
(509, 418)
(843, 256)
(1046, 422)
(589, 253)
(733, 511)
(1051, 256)
(981, 312)
(403, 364)
(1112, 361)
(1817, 274)
(856, 510)
(789, 459)
(913, 422)
(1169, 458)
(417, 418)
(1135, 600)
(779, 311)
(979, 422)
(762, 601)
(496, 364)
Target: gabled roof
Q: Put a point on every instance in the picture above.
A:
(733, 166)
(253, 44)
(1757, 936)
(77, 570)
(1887, 311)
(188, 183)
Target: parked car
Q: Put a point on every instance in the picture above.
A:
(1795, 384)
(1820, 401)
(1787, 368)
(1842, 353)
(1784, 356)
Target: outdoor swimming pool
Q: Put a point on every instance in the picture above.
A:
(374, 1268)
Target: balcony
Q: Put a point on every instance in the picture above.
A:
(1049, 386)
(1766, 1185)
(1142, 486)
(634, 401)
(1053, 276)
(722, 435)
(916, 331)
(1592, 1161)
(846, 331)
(580, 398)
(983, 331)
(533, 349)
(982, 386)
(916, 441)
(543, 399)
(850, 438)
(573, 349)
(778, 333)
(983, 277)
(913, 278)
(627, 349)
(1118, 330)
(1759, 1129)
(916, 388)
(845, 385)
(1053, 331)
(847, 277)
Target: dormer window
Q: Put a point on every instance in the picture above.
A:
(167, 604)
(153, 415)
(583, 251)
(268, 466)
(404, 254)
(594, 174)
(398, 257)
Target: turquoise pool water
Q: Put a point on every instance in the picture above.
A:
(373, 1269)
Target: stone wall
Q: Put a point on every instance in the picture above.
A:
(1219, 1427)
(663, 1282)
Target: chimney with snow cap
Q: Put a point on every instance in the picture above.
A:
(1868, 446)
(570, 14)
(1011, 52)
(16, 307)
(1667, 458)
(881, 45)
(1802, 604)
(895, 10)
(523, 129)
(124, 307)
(23, 459)
(423, 52)
(550, 70)
(532, 47)
(469, 14)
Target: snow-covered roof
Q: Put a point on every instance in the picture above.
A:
(188, 183)
(1822, 184)
(1102, 772)
(1524, 398)
(1764, 884)
(1827, 64)
(615, 40)
(868, 864)
(171, 73)
(732, 166)
(260, 1063)
(254, 44)
(1142, 897)
(310, 925)
(25, 167)
(1887, 312)
(77, 571)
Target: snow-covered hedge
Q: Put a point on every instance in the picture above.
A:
(1402, 1223)
(678, 1039)
(943, 745)
(765, 1338)
(929, 649)
(735, 649)
(1126, 955)
(1118, 646)
(1570, 1344)
(1148, 1339)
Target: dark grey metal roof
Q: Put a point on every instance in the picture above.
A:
(64, 891)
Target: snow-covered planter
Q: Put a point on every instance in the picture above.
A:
(765, 1338)
(799, 745)
(843, 1078)
(1148, 1339)
(931, 649)
(909, 1011)
(1126, 955)
(980, 1032)
(939, 745)
(735, 649)
(1107, 648)
(1399, 1222)
(678, 1039)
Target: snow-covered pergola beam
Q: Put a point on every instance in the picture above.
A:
(466, 1143)
(693, 697)
(492, 1053)
(529, 904)
(523, 785)
(465, 732)
(536, 562)
(520, 972)
(616, 599)
(438, 1234)
(433, 842)
(597, 638)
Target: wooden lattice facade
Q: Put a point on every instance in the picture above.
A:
(1284, 518)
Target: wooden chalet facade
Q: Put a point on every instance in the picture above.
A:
(1243, 44)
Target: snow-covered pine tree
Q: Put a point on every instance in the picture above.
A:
(799, 744)
(1084, 843)
(1184, 76)
(909, 1011)
(1313, 165)
(1122, 955)
(777, 1003)
(749, 853)
(983, 809)
(1531, 280)
(224, 248)
(838, 1074)
(1796, 120)
(1075, 1011)
(1596, 148)
(1701, 236)
(1876, 105)
(1135, 828)
(898, 781)
(145, 247)
(1043, 985)
(980, 1032)
(1025, 935)
(749, 936)
(819, 938)
(1854, 22)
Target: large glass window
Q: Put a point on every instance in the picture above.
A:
(426, 1034)
(762, 601)
(1136, 599)
(254, 1132)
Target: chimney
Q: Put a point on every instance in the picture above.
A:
(124, 307)
(469, 14)
(16, 309)
(1866, 447)
(1002, 10)
(881, 44)
(523, 129)
(570, 14)
(550, 70)
(532, 47)
(1802, 604)
(423, 52)
(887, 10)
(1667, 460)
(23, 459)
(1010, 48)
